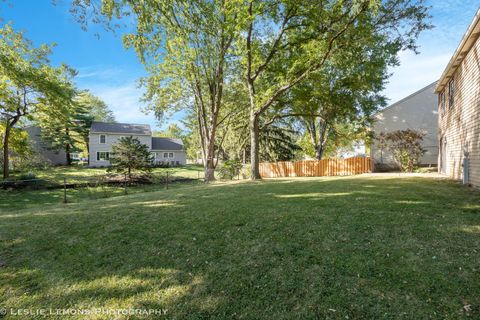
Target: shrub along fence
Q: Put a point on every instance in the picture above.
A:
(316, 168)
(100, 184)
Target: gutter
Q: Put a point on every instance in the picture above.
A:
(464, 47)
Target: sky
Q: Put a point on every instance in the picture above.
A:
(112, 73)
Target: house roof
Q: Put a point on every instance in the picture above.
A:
(464, 47)
(430, 86)
(169, 144)
(108, 127)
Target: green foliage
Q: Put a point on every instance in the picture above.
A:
(230, 169)
(95, 107)
(27, 176)
(20, 149)
(130, 155)
(201, 54)
(406, 147)
(27, 83)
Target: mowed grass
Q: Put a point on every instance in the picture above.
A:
(29, 197)
(78, 174)
(337, 248)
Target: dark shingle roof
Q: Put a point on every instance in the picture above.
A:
(167, 144)
(120, 128)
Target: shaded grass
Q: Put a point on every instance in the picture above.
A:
(356, 247)
(27, 198)
(78, 174)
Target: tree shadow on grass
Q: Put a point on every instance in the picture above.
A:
(277, 249)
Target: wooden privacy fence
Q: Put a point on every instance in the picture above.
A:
(316, 168)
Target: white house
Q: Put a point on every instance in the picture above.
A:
(104, 135)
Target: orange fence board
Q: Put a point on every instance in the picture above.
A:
(316, 168)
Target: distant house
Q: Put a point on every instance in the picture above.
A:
(104, 135)
(43, 149)
(459, 107)
(417, 111)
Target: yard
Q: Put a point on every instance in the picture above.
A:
(20, 199)
(342, 248)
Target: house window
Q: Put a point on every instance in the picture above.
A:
(451, 93)
(165, 154)
(441, 100)
(103, 156)
(170, 155)
(103, 139)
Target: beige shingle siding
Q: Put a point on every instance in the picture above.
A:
(460, 124)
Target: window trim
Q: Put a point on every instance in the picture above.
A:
(441, 100)
(105, 158)
(100, 139)
(451, 93)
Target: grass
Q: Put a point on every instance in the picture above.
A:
(77, 174)
(337, 248)
(28, 198)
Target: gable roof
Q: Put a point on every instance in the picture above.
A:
(108, 127)
(169, 144)
(431, 86)
(464, 47)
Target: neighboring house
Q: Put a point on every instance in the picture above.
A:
(41, 148)
(357, 149)
(104, 135)
(459, 110)
(419, 112)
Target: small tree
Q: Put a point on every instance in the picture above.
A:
(406, 147)
(130, 155)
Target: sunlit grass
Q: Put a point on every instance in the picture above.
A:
(338, 248)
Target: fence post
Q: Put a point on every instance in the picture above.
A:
(64, 190)
(167, 181)
(125, 184)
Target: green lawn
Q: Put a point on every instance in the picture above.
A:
(338, 248)
(77, 174)
(28, 198)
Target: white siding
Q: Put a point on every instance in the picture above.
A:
(111, 139)
(179, 156)
(417, 112)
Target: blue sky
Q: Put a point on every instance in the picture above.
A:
(111, 72)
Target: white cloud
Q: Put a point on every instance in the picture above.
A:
(125, 103)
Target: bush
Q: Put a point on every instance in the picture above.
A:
(230, 169)
(405, 146)
(27, 176)
(130, 155)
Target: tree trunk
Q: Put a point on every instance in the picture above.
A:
(67, 148)
(254, 147)
(68, 155)
(210, 162)
(319, 151)
(6, 159)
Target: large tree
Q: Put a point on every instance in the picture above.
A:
(58, 118)
(95, 106)
(27, 82)
(286, 41)
(186, 47)
(341, 98)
